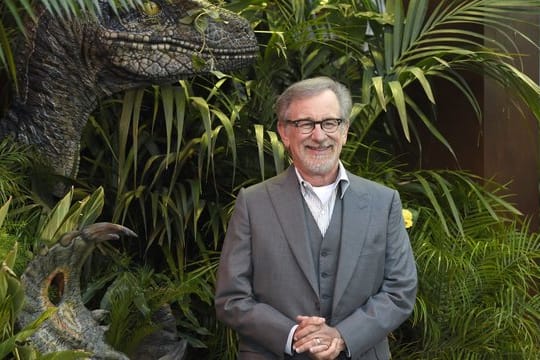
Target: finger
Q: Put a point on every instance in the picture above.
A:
(312, 344)
(320, 346)
(307, 343)
(330, 351)
(309, 320)
(301, 336)
(308, 325)
(327, 331)
(321, 350)
(307, 331)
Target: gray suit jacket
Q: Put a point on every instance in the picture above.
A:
(267, 276)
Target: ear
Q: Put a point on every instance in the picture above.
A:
(282, 130)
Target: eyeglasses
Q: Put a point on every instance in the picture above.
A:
(307, 126)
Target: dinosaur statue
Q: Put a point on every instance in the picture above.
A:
(72, 326)
(52, 280)
(66, 66)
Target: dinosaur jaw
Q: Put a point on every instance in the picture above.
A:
(180, 38)
(169, 59)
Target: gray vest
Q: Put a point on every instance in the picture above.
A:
(325, 251)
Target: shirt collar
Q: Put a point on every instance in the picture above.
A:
(342, 180)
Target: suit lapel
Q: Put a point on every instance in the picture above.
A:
(287, 202)
(355, 222)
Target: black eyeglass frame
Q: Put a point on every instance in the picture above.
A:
(302, 125)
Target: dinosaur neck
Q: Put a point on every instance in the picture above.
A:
(54, 105)
(57, 140)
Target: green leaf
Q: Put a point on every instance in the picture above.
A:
(397, 29)
(7, 346)
(180, 107)
(204, 110)
(229, 130)
(429, 125)
(15, 13)
(416, 14)
(259, 138)
(124, 125)
(421, 77)
(91, 207)
(434, 201)
(448, 196)
(278, 151)
(4, 211)
(10, 259)
(378, 85)
(7, 57)
(399, 101)
(56, 218)
(15, 291)
(67, 355)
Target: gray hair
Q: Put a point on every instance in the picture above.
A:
(310, 87)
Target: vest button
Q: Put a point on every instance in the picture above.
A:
(324, 253)
(324, 275)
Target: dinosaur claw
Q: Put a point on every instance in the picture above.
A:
(105, 231)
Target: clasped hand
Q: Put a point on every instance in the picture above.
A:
(314, 336)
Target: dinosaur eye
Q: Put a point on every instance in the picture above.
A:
(150, 8)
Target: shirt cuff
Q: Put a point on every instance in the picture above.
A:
(288, 346)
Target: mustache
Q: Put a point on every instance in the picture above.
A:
(321, 145)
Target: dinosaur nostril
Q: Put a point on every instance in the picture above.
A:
(56, 289)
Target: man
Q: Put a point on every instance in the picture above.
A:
(316, 262)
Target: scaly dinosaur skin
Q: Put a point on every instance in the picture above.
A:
(66, 67)
(72, 326)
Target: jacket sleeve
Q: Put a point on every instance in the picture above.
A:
(385, 310)
(235, 302)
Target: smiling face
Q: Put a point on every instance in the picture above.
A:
(315, 155)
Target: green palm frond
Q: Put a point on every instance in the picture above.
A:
(444, 191)
(478, 297)
(478, 271)
(452, 38)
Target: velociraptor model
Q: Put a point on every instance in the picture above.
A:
(66, 66)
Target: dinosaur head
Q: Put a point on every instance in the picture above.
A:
(61, 264)
(52, 281)
(65, 66)
(164, 40)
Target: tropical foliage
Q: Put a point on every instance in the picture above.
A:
(167, 162)
(14, 341)
(478, 273)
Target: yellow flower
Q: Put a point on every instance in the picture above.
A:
(407, 218)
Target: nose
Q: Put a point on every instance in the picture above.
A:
(318, 133)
